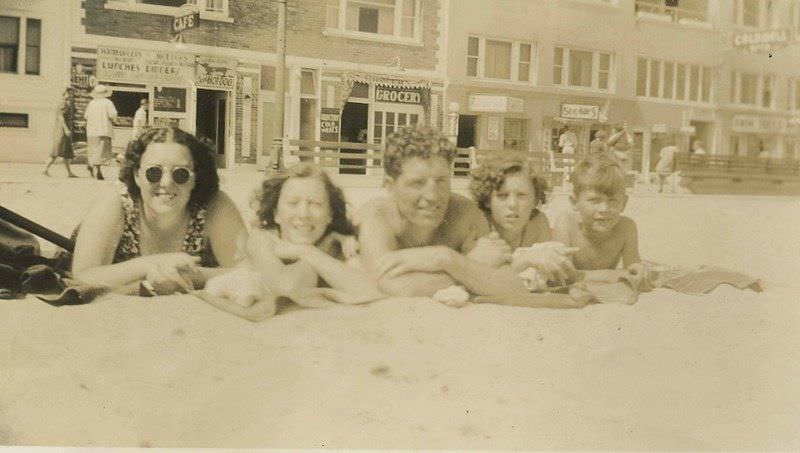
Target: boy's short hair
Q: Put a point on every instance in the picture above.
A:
(419, 141)
(600, 173)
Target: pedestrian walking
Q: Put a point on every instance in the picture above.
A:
(567, 141)
(99, 116)
(620, 143)
(666, 163)
(62, 143)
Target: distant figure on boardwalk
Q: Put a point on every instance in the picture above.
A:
(697, 148)
(620, 143)
(599, 145)
(62, 143)
(666, 163)
(139, 123)
(99, 114)
(567, 141)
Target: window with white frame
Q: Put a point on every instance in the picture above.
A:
(394, 18)
(499, 59)
(752, 89)
(212, 7)
(672, 80)
(20, 45)
(582, 68)
(794, 93)
(754, 13)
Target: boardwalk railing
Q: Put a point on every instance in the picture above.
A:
(737, 167)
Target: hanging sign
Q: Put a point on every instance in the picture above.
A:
(215, 73)
(580, 111)
(329, 121)
(758, 124)
(498, 104)
(397, 95)
(144, 66)
(187, 17)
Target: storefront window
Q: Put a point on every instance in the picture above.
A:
(499, 59)
(582, 68)
(514, 134)
(9, 43)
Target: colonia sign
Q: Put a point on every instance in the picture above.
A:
(397, 95)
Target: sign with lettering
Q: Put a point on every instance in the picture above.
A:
(580, 111)
(761, 41)
(144, 66)
(397, 95)
(753, 123)
(329, 121)
(169, 100)
(187, 16)
(215, 73)
(499, 104)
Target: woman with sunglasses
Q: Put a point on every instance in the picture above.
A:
(171, 225)
(304, 240)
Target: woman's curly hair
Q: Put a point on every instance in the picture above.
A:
(419, 141)
(266, 198)
(491, 175)
(206, 183)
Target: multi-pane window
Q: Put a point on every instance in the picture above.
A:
(672, 80)
(752, 89)
(398, 18)
(499, 59)
(210, 6)
(683, 11)
(20, 49)
(754, 13)
(582, 68)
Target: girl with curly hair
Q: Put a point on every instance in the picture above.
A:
(169, 228)
(302, 242)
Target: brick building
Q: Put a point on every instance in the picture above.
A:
(365, 66)
(523, 70)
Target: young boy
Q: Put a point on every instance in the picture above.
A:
(596, 227)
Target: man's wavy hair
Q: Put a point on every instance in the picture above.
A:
(600, 173)
(419, 141)
(206, 181)
(491, 175)
(266, 198)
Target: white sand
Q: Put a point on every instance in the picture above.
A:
(671, 372)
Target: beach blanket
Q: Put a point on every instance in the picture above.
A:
(623, 287)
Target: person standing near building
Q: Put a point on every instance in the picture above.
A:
(139, 124)
(599, 145)
(620, 143)
(62, 145)
(697, 148)
(567, 141)
(99, 115)
(666, 163)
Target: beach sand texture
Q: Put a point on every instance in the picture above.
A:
(671, 372)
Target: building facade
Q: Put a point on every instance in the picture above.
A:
(682, 71)
(34, 68)
(355, 70)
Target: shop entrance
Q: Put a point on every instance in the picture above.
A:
(354, 129)
(212, 120)
(467, 126)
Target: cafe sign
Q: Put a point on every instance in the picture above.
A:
(215, 73)
(144, 66)
(761, 41)
(397, 95)
(759, 124)
(187, 17)
(580, 111)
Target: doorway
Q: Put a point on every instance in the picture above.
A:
(467, 126)
(354, 128)
(212, 120)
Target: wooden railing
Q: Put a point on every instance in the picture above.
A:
(737, 167)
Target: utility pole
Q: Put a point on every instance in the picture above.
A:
(280, 89)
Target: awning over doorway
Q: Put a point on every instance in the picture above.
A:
(349, 78)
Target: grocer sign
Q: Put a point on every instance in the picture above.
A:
(187, 17)
(397, 95)
(761, 41)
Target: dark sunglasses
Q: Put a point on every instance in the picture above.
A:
(181, 175)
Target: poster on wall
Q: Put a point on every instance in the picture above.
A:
(329, 121)
(82, 79)
(215, 73)
(144, 66)
(167, 99)
(493, 133)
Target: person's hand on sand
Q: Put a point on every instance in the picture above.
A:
(417, 259)
(289, 251)
(553, 260)
(491, 250)
(640, 272)
(348, 244)
(172, 272)
(241, 292)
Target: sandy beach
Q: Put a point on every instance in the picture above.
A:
(670, 372)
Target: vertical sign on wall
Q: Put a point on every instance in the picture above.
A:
(247, 106)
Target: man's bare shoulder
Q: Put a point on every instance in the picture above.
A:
(462, 208)
(375, 209)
